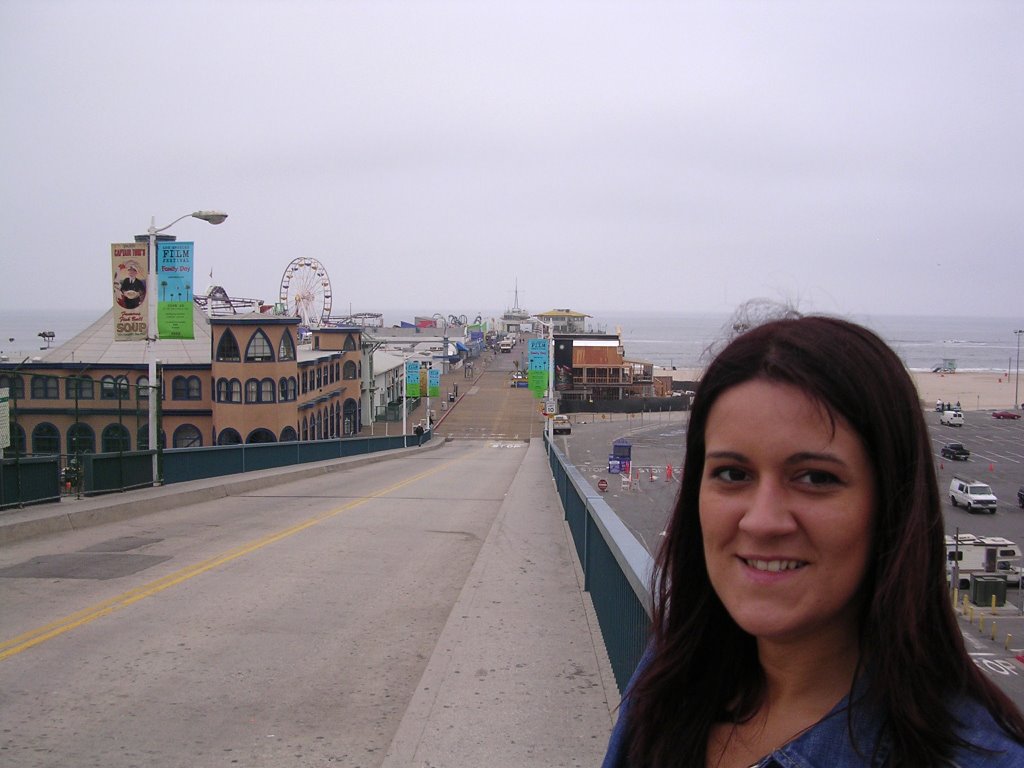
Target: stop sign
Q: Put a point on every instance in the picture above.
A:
(602, 484)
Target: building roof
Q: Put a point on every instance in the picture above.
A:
(96, 345)
(562, 313)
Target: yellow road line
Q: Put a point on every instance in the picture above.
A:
(56, 628)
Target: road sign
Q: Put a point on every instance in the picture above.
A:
(602, 485)
(550, 407)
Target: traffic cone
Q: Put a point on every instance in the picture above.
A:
(668, 472)
(991, 468)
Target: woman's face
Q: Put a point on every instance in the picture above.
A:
(786, 511)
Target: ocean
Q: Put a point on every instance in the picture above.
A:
(666, 339)
(683, 340)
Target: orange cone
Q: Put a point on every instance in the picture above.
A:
(668, 472)
(991, 468)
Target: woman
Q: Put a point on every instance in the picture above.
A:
(811, 626)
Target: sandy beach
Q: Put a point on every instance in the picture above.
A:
(975, 391)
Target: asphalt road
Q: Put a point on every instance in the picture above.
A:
(286, 626)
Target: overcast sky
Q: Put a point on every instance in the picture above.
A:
(852, 157)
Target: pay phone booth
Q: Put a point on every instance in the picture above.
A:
(620, 457)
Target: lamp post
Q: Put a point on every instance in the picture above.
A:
(213, 217)
(1016, 387)
(443, 319)
(548, 426)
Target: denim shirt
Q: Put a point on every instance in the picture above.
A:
(827, 744)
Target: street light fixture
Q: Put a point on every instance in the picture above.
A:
(1016, 388)
(213, 217)
(443, 319)
(548, 426)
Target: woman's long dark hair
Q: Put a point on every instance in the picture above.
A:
(705, 668)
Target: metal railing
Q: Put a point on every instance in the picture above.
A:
(616, 567)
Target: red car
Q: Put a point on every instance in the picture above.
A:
(1005, 415)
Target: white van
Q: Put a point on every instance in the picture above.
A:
(974, 495)
(952, 418)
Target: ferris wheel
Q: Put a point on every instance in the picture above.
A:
(306, 291)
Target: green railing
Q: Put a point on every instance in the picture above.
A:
(29, 480)
(616, 567)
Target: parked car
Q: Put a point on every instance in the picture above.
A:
(560, 425)
(1020, 497)
(952, 418)
(1005, 415)
(955, 451)
(974, 495)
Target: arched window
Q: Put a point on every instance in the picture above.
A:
(305, 382)
(286, 349)
(288, 435)
(349, 371)
(337, 371)
(79, 388)
(113, 387)
(351, 417)
(320, 426)
(45, 388)
(17, 446)
(259, 349)
(305, 428)
(252, 391)
(229, 391)
(179, 388)
(332, 422)
(45, 439)
(350, 343)
(267, 394)
(115, 438)
(227, 349)
(186, 388)
(187, 436)
(286, 389)
(229, 437)
(15, 384)
(81, 438)
(142, 388)
(319, 377)
(261, 435)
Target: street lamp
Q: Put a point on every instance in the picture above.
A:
(443, 319)
(548, 427)
(1016, 387)
(213, 217)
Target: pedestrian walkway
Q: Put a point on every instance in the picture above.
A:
(519, 675)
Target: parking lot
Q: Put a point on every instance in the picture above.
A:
(995, 639)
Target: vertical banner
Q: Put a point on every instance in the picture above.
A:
(5, 417)
(130, 264)
(412, 379)
(537, 374)
(434, 382)
(173, 274)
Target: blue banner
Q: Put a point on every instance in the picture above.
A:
(537, 347)
(173, 276)
(412, 379)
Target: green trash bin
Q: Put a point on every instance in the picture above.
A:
(985, 586)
